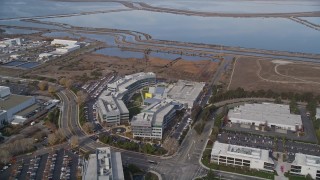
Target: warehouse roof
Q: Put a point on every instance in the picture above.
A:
(277, 114)
(12, 101)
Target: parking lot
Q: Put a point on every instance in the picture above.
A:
(61, 164)
(276, 144)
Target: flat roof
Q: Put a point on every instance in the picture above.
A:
(117, 169)
(111, 105)
(277, 114)
(185, 91)
(306, 160)
(240, 151)
(104, 164)
(13, 100)
(28, 110)
(153, 114)
(126, 81)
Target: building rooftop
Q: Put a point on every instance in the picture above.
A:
(104, 164)
(122, 84)
(153, 114)
(111, 105)
(28, 110)
(318, 113)
(240, 151)
(12, 101)
(306, 160)
(265, 112)
(185, 91)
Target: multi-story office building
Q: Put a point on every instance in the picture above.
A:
(185, 92)
(253, 158)
(306, 164)
(112, 110)
(154, 119)
(111, 103)
(104, 164)
(125, 87)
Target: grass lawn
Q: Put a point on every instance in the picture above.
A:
(134, 105)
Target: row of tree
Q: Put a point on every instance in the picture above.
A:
(15, 148)
(58, 136)
(53, 116)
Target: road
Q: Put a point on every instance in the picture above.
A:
(183, 165)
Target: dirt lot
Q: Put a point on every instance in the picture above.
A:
(84, 65)
(277, 75)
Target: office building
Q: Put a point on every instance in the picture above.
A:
(154, 119)
(185, 92)
(125, 87)
(111, 109)
(234, 155)
(306, 164)
(270, 114)
(103, 165)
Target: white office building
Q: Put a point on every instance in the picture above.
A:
(111, 109)
(103, 165)
(306, 164)
(154, 119)
(126, 86)
(185, 92)
(233, 155)
(112, 102)
(274, 115)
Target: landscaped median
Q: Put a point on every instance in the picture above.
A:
(131, 145)
(234, 169)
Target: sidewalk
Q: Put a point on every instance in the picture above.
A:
(156, 173)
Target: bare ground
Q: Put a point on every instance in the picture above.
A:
(182, 69)
(256, 74)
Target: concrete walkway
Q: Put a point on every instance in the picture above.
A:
(280, 164)
(156, 173)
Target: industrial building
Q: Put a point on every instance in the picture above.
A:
(306, 164)
(234, 155)
(185, 92)
(11, 105)
(103, 165)
(112, 110)
(154, 119)
(270, 114)
(10, 42)
(67, 46)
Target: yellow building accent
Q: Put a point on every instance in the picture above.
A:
(148, 95)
